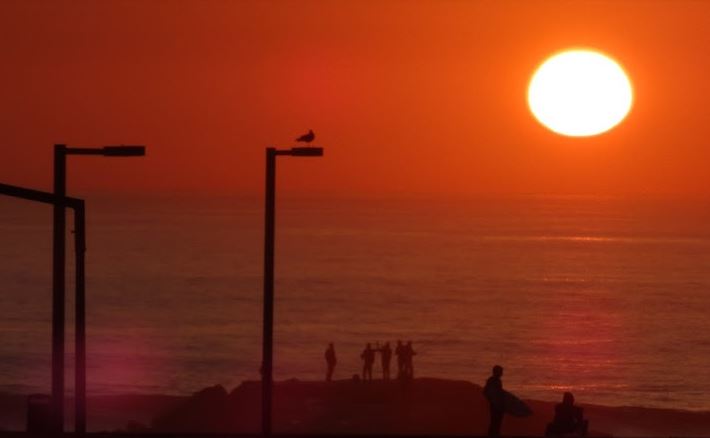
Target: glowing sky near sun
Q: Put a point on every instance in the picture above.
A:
(424, 99)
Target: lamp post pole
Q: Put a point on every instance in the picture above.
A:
(80, 319)
(267, 361)
(268, 338)
(58, 290)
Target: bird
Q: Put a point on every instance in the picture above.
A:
(307, 138)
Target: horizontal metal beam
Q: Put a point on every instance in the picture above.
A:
(109, 151)
(39, 196)
(309, 151)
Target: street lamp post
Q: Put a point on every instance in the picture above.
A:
(58, 291)
(268, 320)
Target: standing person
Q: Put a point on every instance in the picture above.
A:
(493, 391)
(399, 352)
(386, 357)
(409, 360)
(368, 358)
(330, 360)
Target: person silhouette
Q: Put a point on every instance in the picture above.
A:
(569, 419)
(399, 352)
(330, 361)
(493, 391)
(409, 354)
(386, 356)
(368, 358)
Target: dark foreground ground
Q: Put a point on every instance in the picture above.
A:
(423, 407)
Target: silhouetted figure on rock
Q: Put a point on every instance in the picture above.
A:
(368, 358)
(330, 361)
(493, 391)
(399, 352)
(386, 356)
(569, 419)
(409, 360)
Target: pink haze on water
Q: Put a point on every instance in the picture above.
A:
(603, 297)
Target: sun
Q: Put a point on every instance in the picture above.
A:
(580, 93)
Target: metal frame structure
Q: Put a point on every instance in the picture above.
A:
(78, 206)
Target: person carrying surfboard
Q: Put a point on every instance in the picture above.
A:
(494, 393)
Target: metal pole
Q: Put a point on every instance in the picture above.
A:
(58, 264)
(80, 319)
(267, 349)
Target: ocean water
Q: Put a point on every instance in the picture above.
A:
(607, 298)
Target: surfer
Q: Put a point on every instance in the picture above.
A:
(330, 360)
(493, 391)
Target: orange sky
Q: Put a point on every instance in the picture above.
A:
(408, 98)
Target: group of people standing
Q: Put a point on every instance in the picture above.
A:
(404, 352)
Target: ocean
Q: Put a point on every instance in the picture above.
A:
(607, 298)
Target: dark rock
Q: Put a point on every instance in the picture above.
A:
(205, 411)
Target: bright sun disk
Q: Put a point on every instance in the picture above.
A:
(580, 93)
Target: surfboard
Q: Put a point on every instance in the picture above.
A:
(516, 407)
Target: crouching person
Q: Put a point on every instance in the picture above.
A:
(569, 419)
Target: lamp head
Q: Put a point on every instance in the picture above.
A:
(306, 152)
(123, 151)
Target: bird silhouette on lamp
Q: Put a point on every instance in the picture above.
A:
(307, 138)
